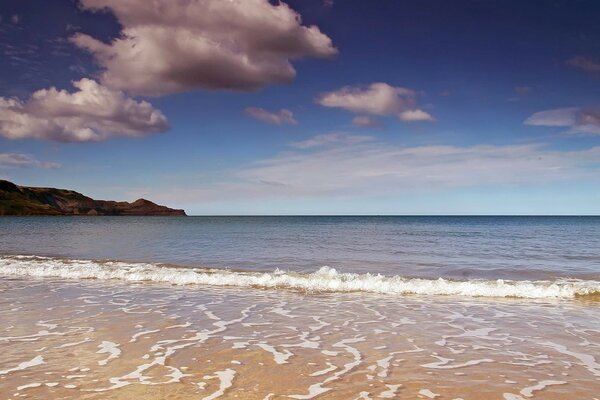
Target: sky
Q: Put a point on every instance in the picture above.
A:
(306, 106)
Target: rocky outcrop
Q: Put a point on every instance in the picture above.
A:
(22, 200)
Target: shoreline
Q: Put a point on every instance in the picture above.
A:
(325, 279)
(110, 338)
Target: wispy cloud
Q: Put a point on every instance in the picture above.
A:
(17, 160)
(210, 44)
(366, 121)
(585, 63)
(523, 89)
(368, 168)
(281, 117)
(91, 113)
(579, 121)
(331, 139)
(377, 99)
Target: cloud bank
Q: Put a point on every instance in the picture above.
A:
(354, 166)
(378, 168)
(580, 121)
(17, 160)
(91, 113)
(174, 46)
(281, 117)
(377, 99)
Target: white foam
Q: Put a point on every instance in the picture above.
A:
(428, 393)
(528, 391)
(108, 347)
(326, 279)
(38, 360)
(317, 389)
(226, 381)
(330, 367)
(142, 333)
(391, 392)
(29, 386)
(444, 363)
(384, 364)
(62, 346)
(589, 362)
(278, 356)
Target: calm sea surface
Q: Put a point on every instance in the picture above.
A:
(430, 247)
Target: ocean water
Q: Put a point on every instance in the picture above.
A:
(560, 255)
(300, 307)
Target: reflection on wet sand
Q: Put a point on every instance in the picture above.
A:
(88, 340)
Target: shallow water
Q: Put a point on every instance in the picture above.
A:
(98, 339)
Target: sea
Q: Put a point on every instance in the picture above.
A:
(328, 307)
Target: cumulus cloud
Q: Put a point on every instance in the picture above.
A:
(366, 121)
(173, 46)
(329, 139)
(580, 121)
(16, 160)
(91, 113)
(377, 99)
(585, 63)
(281, 117)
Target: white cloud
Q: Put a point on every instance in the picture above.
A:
(331, 139)
(281, 117)
(376, 99)
(17, 160)
(366, 121)
(379, 169)
(580, 121)
(415, 116)
(92, 113)
(173, 46)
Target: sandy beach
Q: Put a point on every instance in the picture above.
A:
(93, 339)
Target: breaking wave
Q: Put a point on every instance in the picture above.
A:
(326, 279)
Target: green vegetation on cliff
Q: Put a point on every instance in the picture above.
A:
(22, 200)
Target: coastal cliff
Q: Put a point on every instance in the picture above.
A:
(22, 200)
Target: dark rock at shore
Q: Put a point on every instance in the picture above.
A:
(22, 200)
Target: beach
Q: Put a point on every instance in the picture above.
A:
(65, 339)
(77, 328)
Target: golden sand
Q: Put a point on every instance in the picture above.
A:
(93, 340)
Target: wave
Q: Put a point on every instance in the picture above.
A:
(326, 279)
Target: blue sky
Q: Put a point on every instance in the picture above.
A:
(306, 107)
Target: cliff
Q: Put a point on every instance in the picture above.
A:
(22, 200)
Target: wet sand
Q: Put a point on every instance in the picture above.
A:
(112, 340)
